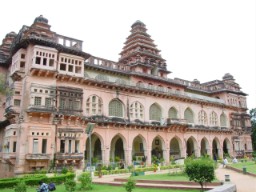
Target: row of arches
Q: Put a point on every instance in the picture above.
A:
(176, 148)
(94, 106)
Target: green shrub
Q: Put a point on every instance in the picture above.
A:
(20, 187)
(70, 185)
(64, 170)
(86, 181)
(200, 170)
(130, 185)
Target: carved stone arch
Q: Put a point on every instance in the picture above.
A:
(192, 147)
(175, 147)
(204, 147)
(118, 145)
(227, 147)
(216, 148)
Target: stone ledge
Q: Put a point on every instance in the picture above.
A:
(227, 187)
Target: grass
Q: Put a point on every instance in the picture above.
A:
(250, 166)
(106, 188)
(166, 176)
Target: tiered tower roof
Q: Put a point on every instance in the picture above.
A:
(140, 49)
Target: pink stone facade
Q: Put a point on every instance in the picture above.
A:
(138, 112)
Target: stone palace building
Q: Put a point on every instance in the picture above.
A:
(56, 92)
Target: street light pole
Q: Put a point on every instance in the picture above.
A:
(90, 152)
(89, 130)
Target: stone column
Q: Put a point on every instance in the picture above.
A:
(148, 154)
(128, 156)
(166, 156)
(105, 155)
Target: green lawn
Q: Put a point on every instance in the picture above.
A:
(107, 188)
(166, 176)
(250, 166)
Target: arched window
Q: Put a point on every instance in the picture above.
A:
(155, 112)
(189, 116)
(213, 119)
(116, 108)
(136, 110)
(223, 120)
(173, 113)
(202, 118)
(94, 105)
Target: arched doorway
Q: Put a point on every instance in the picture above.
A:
(175, 152)
(117, 149)
(204, 147)
(216, 148)
(138, 154)
(191, 147)
(157, 149)
(226, 147)
(96, 152)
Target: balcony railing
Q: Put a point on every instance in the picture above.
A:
(37, 156)
(69, 156)
(41, 108)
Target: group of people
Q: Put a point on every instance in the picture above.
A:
(225, 161)
(43, 187)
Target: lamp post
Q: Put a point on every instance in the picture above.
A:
(88, 131)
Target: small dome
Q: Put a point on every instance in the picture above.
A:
(228, 76)
(138, 22)
(11, 34)
(196, 81)
(41, 19)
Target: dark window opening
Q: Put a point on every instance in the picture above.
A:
(62, 146)
(63, 67)
(44, 61)
(38, 60)
(44, 145)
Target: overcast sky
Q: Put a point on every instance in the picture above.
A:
(200, 39)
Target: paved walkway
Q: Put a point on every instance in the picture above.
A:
(244, 183)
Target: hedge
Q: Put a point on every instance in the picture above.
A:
(33, 181)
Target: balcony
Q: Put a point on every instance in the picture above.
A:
(69, 156)
(41, 108)
(38, 156)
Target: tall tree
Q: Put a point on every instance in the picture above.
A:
(253, 121)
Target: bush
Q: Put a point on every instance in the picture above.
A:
(86, 181)
(20, 187)
(70, 185)
(200, 170)
(64, 170)
(129, 185)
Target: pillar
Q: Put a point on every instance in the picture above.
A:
(128, 156)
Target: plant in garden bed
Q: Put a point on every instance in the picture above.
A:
(86, 181)
(70, 185)
(200, 170)
(20, 187)
(130, 184)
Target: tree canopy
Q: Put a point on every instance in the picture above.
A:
(253, 122)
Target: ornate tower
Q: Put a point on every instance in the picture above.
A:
(140, 54)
